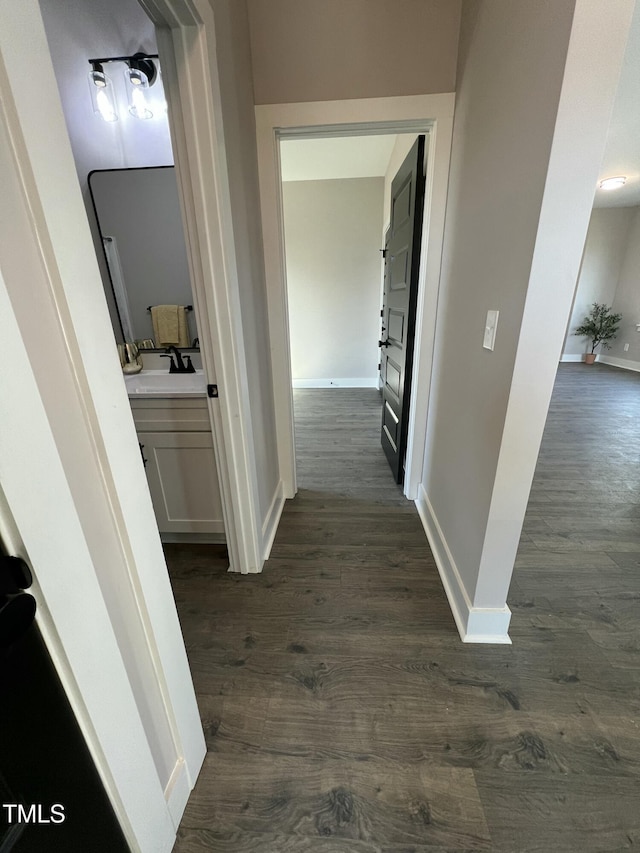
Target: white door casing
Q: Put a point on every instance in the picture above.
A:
(186, 46)
(432, 114)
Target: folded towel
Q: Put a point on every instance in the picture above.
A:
(170, 325)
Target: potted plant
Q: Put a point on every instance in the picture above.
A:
(600, 326)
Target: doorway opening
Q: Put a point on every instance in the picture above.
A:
(352, 287)
(124, 159)
(431, 115)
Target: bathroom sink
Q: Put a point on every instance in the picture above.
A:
(161, 383)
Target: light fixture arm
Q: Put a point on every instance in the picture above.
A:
(106, 59)
(141, 62)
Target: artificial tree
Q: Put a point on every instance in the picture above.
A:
(600, 326)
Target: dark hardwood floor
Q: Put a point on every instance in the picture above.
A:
(343, 714)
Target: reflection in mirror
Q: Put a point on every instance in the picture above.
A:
(140, 223)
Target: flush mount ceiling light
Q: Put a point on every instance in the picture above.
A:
(613, 183)
(141, 72)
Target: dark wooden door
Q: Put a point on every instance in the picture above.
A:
(402, 262)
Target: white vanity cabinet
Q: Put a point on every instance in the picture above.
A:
(177, 445)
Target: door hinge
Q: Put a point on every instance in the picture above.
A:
(382, 312)
(384, 252)
(212, 390)
(380, 366)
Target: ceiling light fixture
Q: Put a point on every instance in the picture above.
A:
(141, 72)
(613, 183)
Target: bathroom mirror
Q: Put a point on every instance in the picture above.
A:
(138, 214)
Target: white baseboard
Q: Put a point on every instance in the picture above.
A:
(572, 357)
(177, 792)
(624, 363)
(202, 538)
(272, 520)
(336, 383)
(475, 624)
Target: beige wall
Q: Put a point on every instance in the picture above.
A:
(236, 88)
(537, 82)
(512, 57)
(604, 252)
(304, 50)
(332, 237)
(627, 297)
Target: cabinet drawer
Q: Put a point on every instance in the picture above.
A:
(171, 416)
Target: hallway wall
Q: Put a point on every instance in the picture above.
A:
(308, 51)
(520, 195)
(332, 239)
(627, 296)
(511, 64)
(236, 89)
(604, 251)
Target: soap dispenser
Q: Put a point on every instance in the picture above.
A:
(130, 358)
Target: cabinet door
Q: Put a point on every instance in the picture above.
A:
(183, 481)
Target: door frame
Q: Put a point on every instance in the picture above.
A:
(185, 32)
(429, 114)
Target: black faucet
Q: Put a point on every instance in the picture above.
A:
(177, 364)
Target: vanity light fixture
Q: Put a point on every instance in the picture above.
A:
(141, 73)
(613, 183)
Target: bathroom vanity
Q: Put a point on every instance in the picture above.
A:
(172, 421)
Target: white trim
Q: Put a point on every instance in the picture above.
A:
(52, 541)
(336, 383)
(270, 526)
(431, 114)
(202, 538)
(177, 792)
(614, 361)
(475, 624)
(186, 45)
(611, 360)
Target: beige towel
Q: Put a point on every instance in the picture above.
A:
(170, 325)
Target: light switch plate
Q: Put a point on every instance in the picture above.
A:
(490, 329)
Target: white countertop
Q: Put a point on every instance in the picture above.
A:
(161, 383)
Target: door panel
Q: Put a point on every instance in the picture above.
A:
(183, 481)
(402, 262)
(395, 329)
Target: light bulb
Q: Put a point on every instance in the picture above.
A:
(98, 79)
(138, 106)
(104, 106)
(137, 78)
(102, 96)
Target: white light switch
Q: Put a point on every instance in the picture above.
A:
(490, 329)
